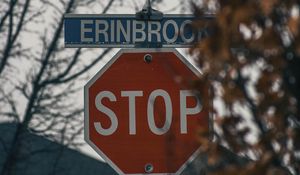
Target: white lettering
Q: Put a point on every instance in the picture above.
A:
(165, 28)
(84, 30)
(140, 30)
(154, 32)
(111, 115)
(184, 111)
(182, 32)
(112, 31)
(132, 117)
(125, 33)
(132, 31)
(103, 31)
(150, 112)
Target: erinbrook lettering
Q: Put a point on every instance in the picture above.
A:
(127, 31)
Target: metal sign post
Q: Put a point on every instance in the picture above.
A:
(148, 13)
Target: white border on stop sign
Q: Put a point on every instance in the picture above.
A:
(194, 69)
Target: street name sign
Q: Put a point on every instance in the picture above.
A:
(126, 31)
(142, 114)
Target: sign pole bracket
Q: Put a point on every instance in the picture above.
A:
(149, 14)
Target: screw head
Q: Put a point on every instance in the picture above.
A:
(148, 58)
(149, 168)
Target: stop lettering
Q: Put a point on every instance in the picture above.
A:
(131, 95)
(142, 114)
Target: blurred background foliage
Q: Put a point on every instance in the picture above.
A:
(252, 61)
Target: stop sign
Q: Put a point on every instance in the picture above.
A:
(142, 114)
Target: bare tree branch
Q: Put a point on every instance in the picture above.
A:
(61, 79)
(7, 13)
(11, 38)
(108, 6)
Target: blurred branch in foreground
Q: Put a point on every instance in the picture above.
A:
(252, 60)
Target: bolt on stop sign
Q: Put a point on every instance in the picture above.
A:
(142, 114)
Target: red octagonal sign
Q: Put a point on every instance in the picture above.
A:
(142, 114)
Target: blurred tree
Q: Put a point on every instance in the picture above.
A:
(252, 61)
